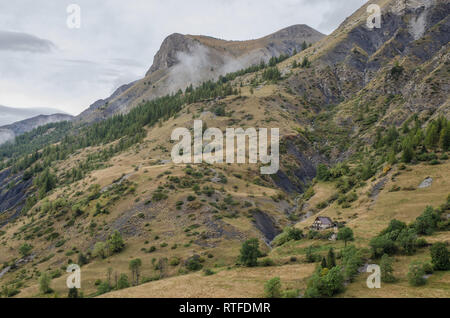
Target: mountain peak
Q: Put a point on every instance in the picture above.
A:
(166, 56)
(177, 43)
(185, 59)
(296, 31)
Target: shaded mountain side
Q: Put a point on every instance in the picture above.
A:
(9, 132)
(13, 194)
(187, 59)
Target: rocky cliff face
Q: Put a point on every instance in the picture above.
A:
(13, 193)
(187, 59)
(167, 55)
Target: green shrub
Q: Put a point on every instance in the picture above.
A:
(386, 269)
(272, 74)
(345, 234)
(250, 253)
(267, 262)
(208, 272)
(175, 261)
(383, 245)
(25, 249)
(289, 234)
(123, 282)
(428, 268)
(292, 293)
(310, 256)
(416, 274)
(421, 242)
(103, 288)
(73, 293)
(272, 288)
(351, 262)
(397, 71)
(323, 174)
(407, 241)
(427, 223)
(159, 196)
(440, 257)
(44, 283)
(325, 283)
(194, 263)
(116, 242)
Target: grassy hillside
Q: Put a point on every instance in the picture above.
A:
(361, 129)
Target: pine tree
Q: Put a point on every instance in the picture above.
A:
(304, 46)
(432, 135)
(331, 259)
(324, 263)
(386, 269)
(444, 140)
(305, 62)
(135, 266)
(408, 153)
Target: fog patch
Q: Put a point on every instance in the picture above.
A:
(417, 26)
(201, 64)
(6, 135)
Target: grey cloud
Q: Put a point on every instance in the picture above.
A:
(334, 14)
(126, 62)
(18, 41)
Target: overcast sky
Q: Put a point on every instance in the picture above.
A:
(43, 63)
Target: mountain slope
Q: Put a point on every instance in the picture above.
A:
(9, 115)
(9, 132)
(362, 126)
(187, 59)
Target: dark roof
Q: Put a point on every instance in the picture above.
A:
(325, 220)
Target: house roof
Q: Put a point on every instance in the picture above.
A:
(325, 220)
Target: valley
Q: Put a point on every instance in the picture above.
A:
(363, 118)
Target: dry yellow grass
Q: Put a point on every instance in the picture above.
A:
(235, 283)
(143, 165)
(438, 285)
(165, 221)
(368, 217)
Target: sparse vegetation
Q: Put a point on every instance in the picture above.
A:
(250, 253)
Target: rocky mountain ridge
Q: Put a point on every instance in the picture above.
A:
(190, 59)
(9, 132)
